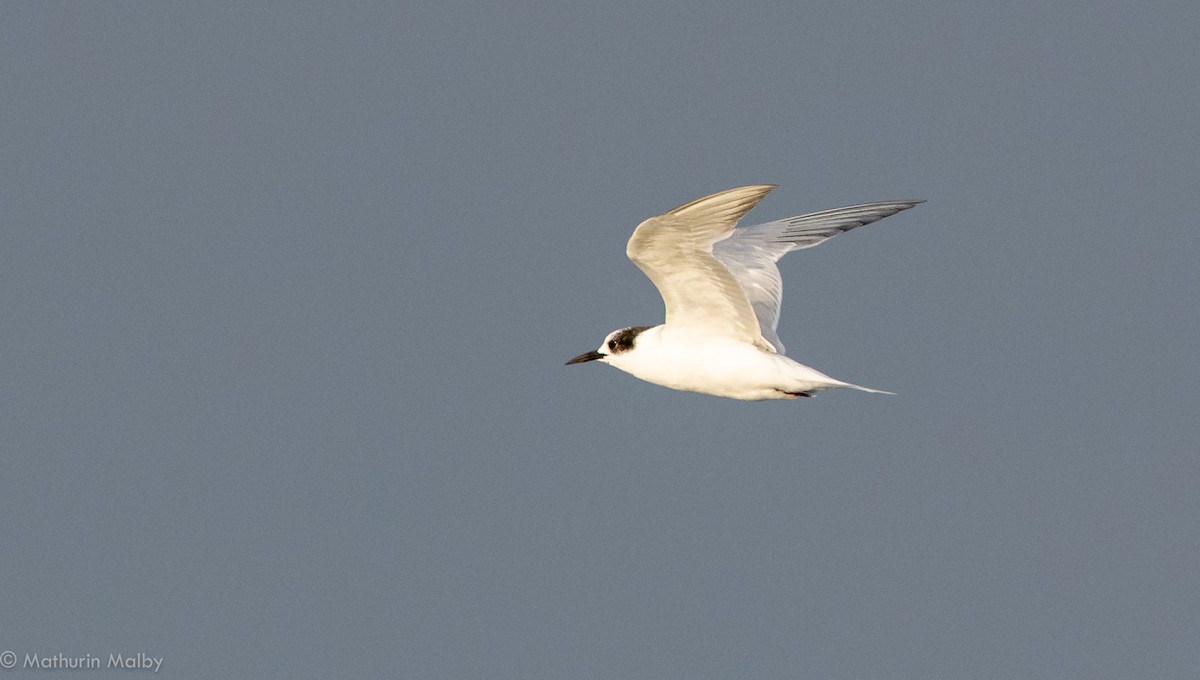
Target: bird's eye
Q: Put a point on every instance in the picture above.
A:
(612, 344)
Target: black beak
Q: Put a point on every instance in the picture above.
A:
(590, 356)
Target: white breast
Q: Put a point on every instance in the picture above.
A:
(718, 366)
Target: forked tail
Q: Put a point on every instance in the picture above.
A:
(867, 389)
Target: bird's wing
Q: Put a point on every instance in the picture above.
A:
(676, 251)
(750, 253)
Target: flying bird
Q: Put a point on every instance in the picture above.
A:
(722, 292)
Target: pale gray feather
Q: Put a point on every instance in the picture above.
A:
(675, 251)
(750, 253)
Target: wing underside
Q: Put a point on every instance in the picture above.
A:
(675, 250)
(750, 253)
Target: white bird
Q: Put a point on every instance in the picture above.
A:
(722, 292)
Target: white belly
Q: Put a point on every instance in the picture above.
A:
(717, 366)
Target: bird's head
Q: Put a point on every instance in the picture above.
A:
(615, 343)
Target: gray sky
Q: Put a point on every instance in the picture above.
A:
(288, 291)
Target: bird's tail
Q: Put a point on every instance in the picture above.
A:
(867, 389)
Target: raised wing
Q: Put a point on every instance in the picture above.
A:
(675, 251)
(750, 253)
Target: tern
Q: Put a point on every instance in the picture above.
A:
(722, 292)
